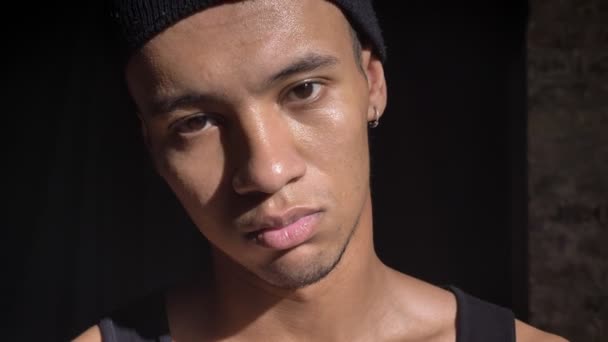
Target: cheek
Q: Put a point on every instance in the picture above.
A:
(352, 165)
(339, 151)
(195, 174)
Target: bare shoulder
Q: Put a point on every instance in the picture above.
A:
(90, 335)
(427, 312)
(527, 333)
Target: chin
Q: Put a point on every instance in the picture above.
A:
(301, 267)
(286, 277)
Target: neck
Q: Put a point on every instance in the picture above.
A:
(345, 297)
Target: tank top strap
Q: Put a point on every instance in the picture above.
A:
(481, 321)
(143, 321)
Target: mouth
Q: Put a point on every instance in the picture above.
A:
(285, 231)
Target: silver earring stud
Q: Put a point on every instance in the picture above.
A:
(374, 123)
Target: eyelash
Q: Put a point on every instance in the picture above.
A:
(313, 97)
(181, 123)
(177, 126)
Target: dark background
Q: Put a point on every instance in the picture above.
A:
(91, 226)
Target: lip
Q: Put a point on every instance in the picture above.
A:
(285, 231)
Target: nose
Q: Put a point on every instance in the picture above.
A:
(269, 157)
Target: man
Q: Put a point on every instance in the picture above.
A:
(256, 115)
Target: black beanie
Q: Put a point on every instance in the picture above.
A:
(138, 21)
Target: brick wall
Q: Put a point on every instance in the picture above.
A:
(568, 167)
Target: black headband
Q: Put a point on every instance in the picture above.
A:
(138, 21)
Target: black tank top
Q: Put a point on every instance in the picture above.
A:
(476, 321)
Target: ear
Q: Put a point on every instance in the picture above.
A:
(144, 130)
(146, 138)
(376, 84)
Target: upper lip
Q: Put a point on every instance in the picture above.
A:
(279, 220)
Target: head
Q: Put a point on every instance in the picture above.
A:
(255, 113)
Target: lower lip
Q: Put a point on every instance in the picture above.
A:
(289, 236)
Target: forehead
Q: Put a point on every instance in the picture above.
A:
(250, 38)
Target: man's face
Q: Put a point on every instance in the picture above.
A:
(256, 115)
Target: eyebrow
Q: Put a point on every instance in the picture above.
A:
(158, 108)
(306, 63)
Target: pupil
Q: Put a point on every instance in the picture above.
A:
(196, 122)
(304, 91)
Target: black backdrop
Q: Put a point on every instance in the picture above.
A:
(90, 226)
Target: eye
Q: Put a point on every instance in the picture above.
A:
(192, 124)
(304, 91)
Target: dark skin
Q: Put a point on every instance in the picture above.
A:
(246, 132)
